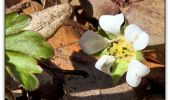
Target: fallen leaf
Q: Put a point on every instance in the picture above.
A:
(66, 42)
(47, 21)
(9, 95)
(94, 9)
(149, 15)
(18, 7)
(154, 57)
(72, 2)
(34, 7)
(49, 3)
(153, 65)
(155, 60)
(9, 3)
(155, 54)
(124, 2)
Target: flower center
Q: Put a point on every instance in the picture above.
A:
(121, 49)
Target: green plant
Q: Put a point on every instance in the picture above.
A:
(23, 50)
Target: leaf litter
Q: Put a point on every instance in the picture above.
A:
(68, 55)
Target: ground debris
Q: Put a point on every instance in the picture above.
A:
(149, 15)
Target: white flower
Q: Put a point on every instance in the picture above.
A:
(92, 42)
(106, 61)
(111, 23)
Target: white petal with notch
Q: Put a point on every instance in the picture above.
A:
(131, 32)
(105, 63)
(136, 70)
(137, 67)
(141, 42)
(92, 42)
(110, 23)
(132, 79)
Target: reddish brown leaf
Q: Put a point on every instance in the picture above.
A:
(155, 54)
(153, 65)
(67, 49)
(65, 42)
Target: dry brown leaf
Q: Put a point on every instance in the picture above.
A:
(94, 8)
(149, 15)
(9, 3)
(34, 7)
(9, 95)
(49, 3)
(153, 65)
(18, 7)
(65, 43)
(72, 2)
(155, 54)
(47, 21)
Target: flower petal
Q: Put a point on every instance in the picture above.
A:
(92, 42)
(131, 32)
(110, 23)
(133, 80)
(141, 42)
(136, 70)
(105, 63)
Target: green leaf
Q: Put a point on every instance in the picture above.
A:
(124, 26)
(139, 56)
(15, 22)
(29, 81)
(118, 71)
(23, 62)
(31, 43)
(7, 71)
(105, 34)
(28, 35)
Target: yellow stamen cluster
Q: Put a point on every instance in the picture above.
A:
(121, 49)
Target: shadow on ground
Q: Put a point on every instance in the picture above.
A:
(88, 83)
